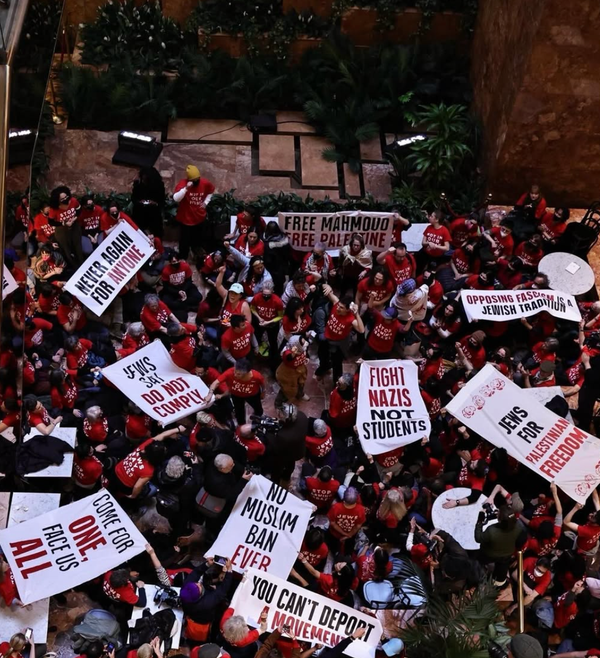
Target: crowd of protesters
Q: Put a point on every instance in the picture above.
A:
(251, 310)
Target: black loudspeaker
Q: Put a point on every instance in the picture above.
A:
(263, 123)
(136, 150)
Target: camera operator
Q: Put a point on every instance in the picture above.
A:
(203, 596)
(225, 478)
(247, 436)
(285, 446)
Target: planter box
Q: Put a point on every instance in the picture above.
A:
(233, 44)
(319, 7)
(301, 45)
(360, 24)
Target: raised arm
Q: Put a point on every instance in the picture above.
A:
(568, 523)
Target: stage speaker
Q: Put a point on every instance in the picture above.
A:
(263, 123)
(136, 150)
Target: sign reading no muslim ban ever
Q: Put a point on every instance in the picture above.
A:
(110, 267)
(335, 229)
(160, 389)
(494, 407)
(264, 530)
(503, 305)
(53, 552)
(391, 412)
(8, 283)
(311, 617)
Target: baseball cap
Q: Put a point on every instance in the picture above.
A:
(393, 647)
(237, 287)
(525, 646)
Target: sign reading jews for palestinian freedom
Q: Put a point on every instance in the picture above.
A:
(494, 407)
(264, 530)
(503, 305)
(8, 283)
(310, 616)
(390, 412)
(109, 268)
(335, 229)
(54, 552)
(160, 389)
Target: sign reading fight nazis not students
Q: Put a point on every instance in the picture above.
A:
(504, 305)
(264, 530)
(335, 229)
(390, 411)
(311, 617)
(54, 552)
(110, 267)
(160, 389)
(491, 405)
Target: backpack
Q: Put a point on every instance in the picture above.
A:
(149, 626)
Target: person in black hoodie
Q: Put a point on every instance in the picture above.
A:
(205, 592)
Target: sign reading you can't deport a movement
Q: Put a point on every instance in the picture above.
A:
(335, 229)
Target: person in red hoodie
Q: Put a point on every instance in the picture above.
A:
(192, 194)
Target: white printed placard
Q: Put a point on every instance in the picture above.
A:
(109, 268)
(390, 411)
(264, 530)
(310, 616)
(494, 407)
(71, 545)
(160, 389)
(8, 283)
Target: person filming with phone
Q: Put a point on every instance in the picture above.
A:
(20, 645)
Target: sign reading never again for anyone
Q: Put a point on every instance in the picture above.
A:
(265, 528)
(54, 552)
(311, 617)
(161, 389)
(109, 268)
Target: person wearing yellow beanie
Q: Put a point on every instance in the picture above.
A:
(193, 194)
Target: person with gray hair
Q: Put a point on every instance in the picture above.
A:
(134, 339)
(238, 640)
(267, 311)
(319, 261)
(319, 443)
(155, 316)
(225, 478)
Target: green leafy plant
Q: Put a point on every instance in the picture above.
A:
(38, 36)
(141, 34)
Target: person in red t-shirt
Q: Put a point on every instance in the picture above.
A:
(133, 473)
(8, 591)
(470, 349)
(382, 336)
(532, 203)
(38, 417)
(436, 237)
(245, 220)
(179, 292)
(552, 225)
(89, 219)
(247, 438)
(87, 468)
(124, 586)
(536, 580)
(70, 314)
(565, 606)
(267, 312)
(238, 341)
(44, 231)
(531, 252)
(250, 244)
(193, 194)
(509, 272)
(340, 323)
(320, 489)
(315, 551)
(135, 338)
(501, 240)
(185, 343)
(64, 209)
(377, 284)
(155, 316)
(319, 443)
(588, 534)
(400, 264)
(345, 520)
(244, 385)
(464, 229)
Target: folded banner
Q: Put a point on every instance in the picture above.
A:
(264, 530)
(503, 305)
(494, 407)
(306, 229)
(391, 412)
(311, 617)
(160, 389)
(8, 283)
(69, 546)
(110, 267)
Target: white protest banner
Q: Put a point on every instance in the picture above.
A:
(311, 617)
(69, 546)
(390, 411)
(503, 305)
(160, 389)
(494, 407)
(8, 282)
(110, 267)
(264, 530)
(335, 229)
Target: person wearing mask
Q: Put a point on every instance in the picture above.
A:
(192, 194)
(179, 292)
(244, 385)
(64, 210)
(89, 219)
(267, 312)
(319, 261)
(355, 262)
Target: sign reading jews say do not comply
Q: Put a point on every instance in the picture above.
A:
(390, 411)
(53, 552)
(264, 530)
(310, 616)
(110, 267)
(160, 389)
(494, 407)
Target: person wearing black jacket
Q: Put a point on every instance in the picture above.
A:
(223, 478)
(205, 591)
